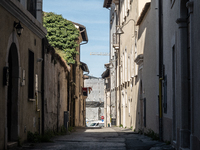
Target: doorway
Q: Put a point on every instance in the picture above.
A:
(12, 95)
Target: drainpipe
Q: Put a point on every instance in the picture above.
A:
(119, 68)
(42, 84)
(110, 80)
(85, 41)
(160, 3)
(190, 5)
(37, 110)
(37, 101)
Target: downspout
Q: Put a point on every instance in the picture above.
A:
(160, 3)
(85, 41)
(110, 68)
(190, 5)
(38, 110)
(115, 62)
(42, 84)
(119, 69)
(109, 72)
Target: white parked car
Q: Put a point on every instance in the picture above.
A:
(97, 124)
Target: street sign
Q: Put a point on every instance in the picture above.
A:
(102, 117)
(102, 120)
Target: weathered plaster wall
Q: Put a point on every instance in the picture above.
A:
(170, 29)
(129, 70)
(27, 115)
(55, 94)
(92, 113)
(148, 46)
(195, 38)
(141, 4)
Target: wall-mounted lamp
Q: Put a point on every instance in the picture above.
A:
(111, 65)
(119, 30)
(39, 59)
(18, 28)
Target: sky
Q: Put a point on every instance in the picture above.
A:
(95, 18)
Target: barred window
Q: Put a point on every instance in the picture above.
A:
(31, 7)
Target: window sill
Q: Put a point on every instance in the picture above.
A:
(31, 100)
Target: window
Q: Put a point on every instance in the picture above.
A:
(31, 75)
(165, 94)
(129, 68)
(125, 71)
(145, 124)
(129, 2)
(129, 108)
(31, 7)
(132, 62)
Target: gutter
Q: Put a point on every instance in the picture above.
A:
(119, 69)
(84, 43)
(160, 13)
(42, 84)
(84, 30)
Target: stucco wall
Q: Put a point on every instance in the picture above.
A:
(170, 29)
(97, 93)
(148, 46)
(55, 101)
(128, 69)
(92, 113)
(27, 115)
(196, 71)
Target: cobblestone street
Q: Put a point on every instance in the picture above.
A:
(100, 139)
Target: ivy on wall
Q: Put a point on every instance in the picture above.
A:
(62, 35)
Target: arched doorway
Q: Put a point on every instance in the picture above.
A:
(12, 98)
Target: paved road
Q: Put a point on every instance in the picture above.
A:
(99, 139)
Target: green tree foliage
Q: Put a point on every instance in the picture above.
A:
(61, 34)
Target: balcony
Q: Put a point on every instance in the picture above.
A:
(139, 59)
(116, 41)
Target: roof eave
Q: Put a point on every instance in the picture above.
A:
(82, 30)
(107, 3)
(143, 13)
(84, 67)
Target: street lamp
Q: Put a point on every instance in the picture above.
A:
(119, 30)
(18, 28)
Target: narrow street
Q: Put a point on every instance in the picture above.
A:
(100, 139)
